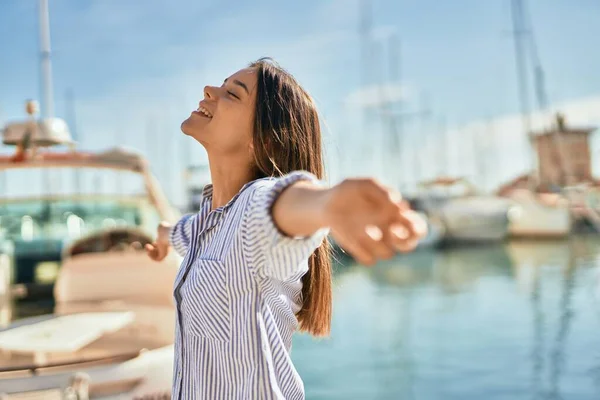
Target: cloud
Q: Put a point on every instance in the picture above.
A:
(495, 150)
(579, 112)
(377, 95)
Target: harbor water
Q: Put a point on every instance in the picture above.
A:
(519, 320)
(513, 321)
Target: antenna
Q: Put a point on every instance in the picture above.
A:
(71, 115)
(72, 120)
(47, 95)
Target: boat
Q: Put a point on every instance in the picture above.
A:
(540, 215)
(561, 154)
(110, 332)
(467, 217)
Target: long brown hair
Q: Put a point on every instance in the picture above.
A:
(287, 138)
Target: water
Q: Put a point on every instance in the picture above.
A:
(514, 321)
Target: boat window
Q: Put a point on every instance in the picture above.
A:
(67, 203)
(72, 218)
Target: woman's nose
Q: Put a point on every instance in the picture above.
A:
(209, 92)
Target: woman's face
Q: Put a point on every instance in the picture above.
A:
(224, 120)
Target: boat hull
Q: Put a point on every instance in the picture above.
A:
(535, 219)
(475, 219)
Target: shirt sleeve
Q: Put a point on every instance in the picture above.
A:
(180, 234)
(273, 253)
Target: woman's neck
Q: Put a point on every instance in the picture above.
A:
(228, 177)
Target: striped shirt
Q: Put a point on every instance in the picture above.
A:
(237, 293)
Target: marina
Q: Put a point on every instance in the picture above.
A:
(500, 300)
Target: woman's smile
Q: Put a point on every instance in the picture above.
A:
(203, 112)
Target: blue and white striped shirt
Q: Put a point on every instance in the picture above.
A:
(237, 293)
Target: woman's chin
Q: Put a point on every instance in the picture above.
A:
(185, 127)
(194, 125)
(190, 129)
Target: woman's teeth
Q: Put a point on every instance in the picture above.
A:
(204, 111)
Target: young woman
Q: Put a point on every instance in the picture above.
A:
(257, 265)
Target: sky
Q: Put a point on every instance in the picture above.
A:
(137, 69)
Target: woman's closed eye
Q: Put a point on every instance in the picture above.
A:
(233, 94)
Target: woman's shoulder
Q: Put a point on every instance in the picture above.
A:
(272, 186)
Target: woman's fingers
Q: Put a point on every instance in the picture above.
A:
(402, 235)
(402, 225)
(155, 252)
(418, 224)
(152, 251)
(356, 250)
(377, 242)
(407, 246)
(367, 244)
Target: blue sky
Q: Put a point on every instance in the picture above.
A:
(138, 68)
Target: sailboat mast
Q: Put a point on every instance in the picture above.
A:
(366, 21)
(443, 156)
(522, 80)
(542, 97)
(424, 139)
(396, 123)
(365, 72)
(46, 92)
(47, 96)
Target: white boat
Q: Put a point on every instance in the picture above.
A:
(110, 335)
(466, 215)
(475, 219)
(539, 215)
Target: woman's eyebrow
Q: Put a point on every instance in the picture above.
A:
(239, 83)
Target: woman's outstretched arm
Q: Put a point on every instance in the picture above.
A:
(366, 219)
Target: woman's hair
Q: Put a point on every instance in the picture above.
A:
(287, 138)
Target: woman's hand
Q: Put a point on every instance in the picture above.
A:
(158, 250)
(370, 221)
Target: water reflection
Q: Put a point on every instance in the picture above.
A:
(567, 256)
(519, 320)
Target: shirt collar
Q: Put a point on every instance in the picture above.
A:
(208, 191)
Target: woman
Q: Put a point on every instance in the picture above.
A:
(256, 266)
